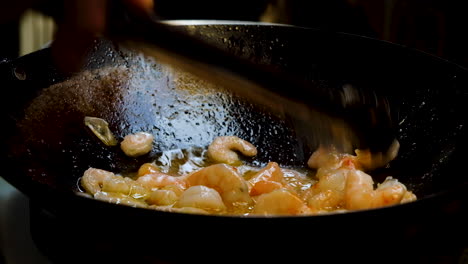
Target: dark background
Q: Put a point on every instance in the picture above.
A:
(438, 27)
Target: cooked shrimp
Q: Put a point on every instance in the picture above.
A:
(159, 180)
(271, 172)
(328, 193)
(137, 144)
(408, 197)
(339, 184)
(333, 168)
(360, 193)
(330, 157)
(343, 185)
(147, 168)
(328, 200)
(222, 149)
(178, 189)
(224, 179)
(93, 179)
(280, 202)
(391, 182)
(262, 187)
(202, 197)
(162, 197)
(323, 157)
(96, 180)
(124, 185)
(331, 179)
(267, 179)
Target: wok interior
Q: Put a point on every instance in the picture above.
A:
(52, 146)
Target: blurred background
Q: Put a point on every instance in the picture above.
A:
(434, 26)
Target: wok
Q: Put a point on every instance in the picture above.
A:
(46, 148)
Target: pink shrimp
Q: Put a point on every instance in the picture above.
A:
(267, 179)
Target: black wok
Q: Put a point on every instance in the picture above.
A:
(46, 148)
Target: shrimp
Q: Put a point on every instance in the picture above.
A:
(330, 179)
(364, 159)
(267, 179)
(280, 202)
(261, 187)
(328, 193)
(162, 197)
(360, 194)
(221, 150)
(328, 200)
(225, 180)
(202, 197)
(408, 197)
(96, 180)
(333, 168)
(323, 157)
(137, 144)
(389, 182)
(93, 179)
(159, 180)
(126, 186)
(342, 185)
(147, 168)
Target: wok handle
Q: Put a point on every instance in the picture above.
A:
(325, 116)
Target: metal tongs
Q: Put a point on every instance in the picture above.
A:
(319, 116)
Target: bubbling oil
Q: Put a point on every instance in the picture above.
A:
(183, 162)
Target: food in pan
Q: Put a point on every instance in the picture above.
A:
(100, 128)
(218, 182)
(133, 145)
(137, 144)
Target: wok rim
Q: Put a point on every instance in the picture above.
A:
(219, 22)
(208, 22)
